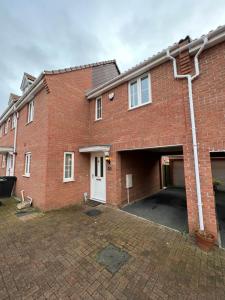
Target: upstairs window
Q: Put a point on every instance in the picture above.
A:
(27, 164)
(14, 120)
(139, 91)
(30, 115)
(98, 109)
(68, 172)
(7, 125)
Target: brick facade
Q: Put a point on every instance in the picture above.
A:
(65, 121)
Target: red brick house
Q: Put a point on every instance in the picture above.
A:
(82, 130)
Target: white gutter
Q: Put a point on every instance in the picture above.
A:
(34, 88)
(214, 37)
(193, 126)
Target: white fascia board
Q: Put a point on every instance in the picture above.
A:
(214, 38)
(28, 95)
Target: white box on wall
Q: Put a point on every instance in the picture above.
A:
(129, 181)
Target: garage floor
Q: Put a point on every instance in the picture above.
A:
(220, 209)
(168, 207)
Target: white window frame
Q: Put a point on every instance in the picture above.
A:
(97, 118)
(27, 164)
(30, 113)
(14, 120)
(72, 166)
(6, 128)
(138, 80)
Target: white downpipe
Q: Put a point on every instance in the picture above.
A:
(14, 142)
(193, 127)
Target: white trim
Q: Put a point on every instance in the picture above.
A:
(96, 109)
(92, 156)
(6, 149)
(94, 149)
(30, 112)
(27, 164)
(72, 166)
(215, 37)
(137, 80)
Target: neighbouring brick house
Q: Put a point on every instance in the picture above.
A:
(82, 130)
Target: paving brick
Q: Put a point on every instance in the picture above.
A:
(177, 270)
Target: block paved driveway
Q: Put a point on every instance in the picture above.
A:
(53, 256)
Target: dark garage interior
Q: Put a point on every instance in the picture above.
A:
(165, 203)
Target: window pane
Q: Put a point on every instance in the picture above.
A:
(134, 94)
(144, 90)
(68, 166)
(101, 166)
(99, 108)
(96, 167)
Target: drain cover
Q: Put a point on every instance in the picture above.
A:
(113, 258)
(93, 212)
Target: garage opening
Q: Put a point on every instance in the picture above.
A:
(218, 177)
(153, 185)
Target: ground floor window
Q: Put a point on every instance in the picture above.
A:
(27, 164)
(68, 172)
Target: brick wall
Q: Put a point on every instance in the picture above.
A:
(145, 168)
(69, 123)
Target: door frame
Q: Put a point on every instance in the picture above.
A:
(93, 154)
(9, 161)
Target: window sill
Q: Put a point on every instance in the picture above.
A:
(68, 180)
(96, 120)
(28, 123)
(26, 175)
(138, 106)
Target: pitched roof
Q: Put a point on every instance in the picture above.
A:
(14, 97)
(214, 37)
(101, 63)
(29, 76)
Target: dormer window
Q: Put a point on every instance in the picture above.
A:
(26, 82)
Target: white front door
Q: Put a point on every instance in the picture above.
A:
(98, 177)
(9, 165)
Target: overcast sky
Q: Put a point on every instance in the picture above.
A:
(46, 34)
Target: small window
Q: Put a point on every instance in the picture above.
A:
(7, 125)
(139, 91)
(14, 120)
(30, 116)
(3, 161)
(27, 164)
(68, 167)
(98, 109)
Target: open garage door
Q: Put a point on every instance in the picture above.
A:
(146, 197)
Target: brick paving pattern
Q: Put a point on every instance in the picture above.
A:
(53, 256)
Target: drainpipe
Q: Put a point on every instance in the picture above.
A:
(190, 78)
(14, 141)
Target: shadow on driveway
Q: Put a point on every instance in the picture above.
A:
(168, 207)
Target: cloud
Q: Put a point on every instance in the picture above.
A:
(40, 35)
